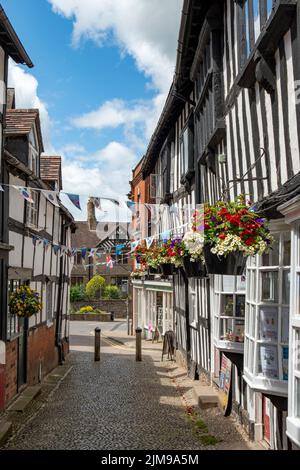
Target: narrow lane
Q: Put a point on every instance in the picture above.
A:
(114, 404)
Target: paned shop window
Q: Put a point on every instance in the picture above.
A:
(267, 312)
(230, 308)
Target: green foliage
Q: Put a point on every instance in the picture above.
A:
(111, 292)
(77, 293)
(94, 287)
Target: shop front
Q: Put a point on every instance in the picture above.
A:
(266, 349)
(291, 211)
(153, 307)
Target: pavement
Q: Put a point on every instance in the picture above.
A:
(118, 403)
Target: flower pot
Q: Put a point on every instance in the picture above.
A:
(233, 264)
(153, 270)
(167, 269)
(193, 268)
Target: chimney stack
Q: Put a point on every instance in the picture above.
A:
(91, 215)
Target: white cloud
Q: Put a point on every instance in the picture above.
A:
(146, 30)
(107, 176)
(26, 88)
(141, 29)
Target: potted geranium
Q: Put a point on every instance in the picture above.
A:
(24, 302)
(233, 231)
(193, 259)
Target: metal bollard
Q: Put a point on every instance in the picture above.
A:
(138, 343)
(97, 344)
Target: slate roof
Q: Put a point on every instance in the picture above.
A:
(21, 122)
(50, 168)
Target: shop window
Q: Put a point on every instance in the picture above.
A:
(230, 312)
(267, 318)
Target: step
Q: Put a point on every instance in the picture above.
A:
(5, 431)
(206, 397)
(25, 398)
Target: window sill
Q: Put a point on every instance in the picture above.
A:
(263, 384)
(293, 429)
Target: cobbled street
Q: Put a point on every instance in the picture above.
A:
(118, 403)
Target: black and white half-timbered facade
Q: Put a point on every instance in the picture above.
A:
(37, 231)
(231, 126)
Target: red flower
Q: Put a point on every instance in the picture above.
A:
(222, 236)
(249, 242)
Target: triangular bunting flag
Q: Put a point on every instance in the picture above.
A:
(75, 199)
(134, 245)
(132, 206)
(26, 193)
(119, 249)
(166, 235)
(52, 197)
(1, 189)
(92, 252)
(83, 252)
(149, 242)
(56, 249)
(109, 262)
(111, 200)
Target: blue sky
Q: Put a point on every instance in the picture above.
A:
(102, 71)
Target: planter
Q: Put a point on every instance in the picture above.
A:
(152, 270)
(233, 264)
(167, 269)
(193, 268)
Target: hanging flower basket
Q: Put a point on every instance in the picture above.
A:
(167, 269)
(153, 270)
(233, 264)
(233, 231)
(193, 268)
(24, 302)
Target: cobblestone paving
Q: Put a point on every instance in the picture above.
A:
(114, 404)
(118, 404)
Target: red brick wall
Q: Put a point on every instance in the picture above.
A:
(11, 371)
(41, 350)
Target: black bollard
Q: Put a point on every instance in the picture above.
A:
(97, 344)
(138, 350)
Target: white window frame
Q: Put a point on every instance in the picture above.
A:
(234, 289)
(254, 304)
(32, 211)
